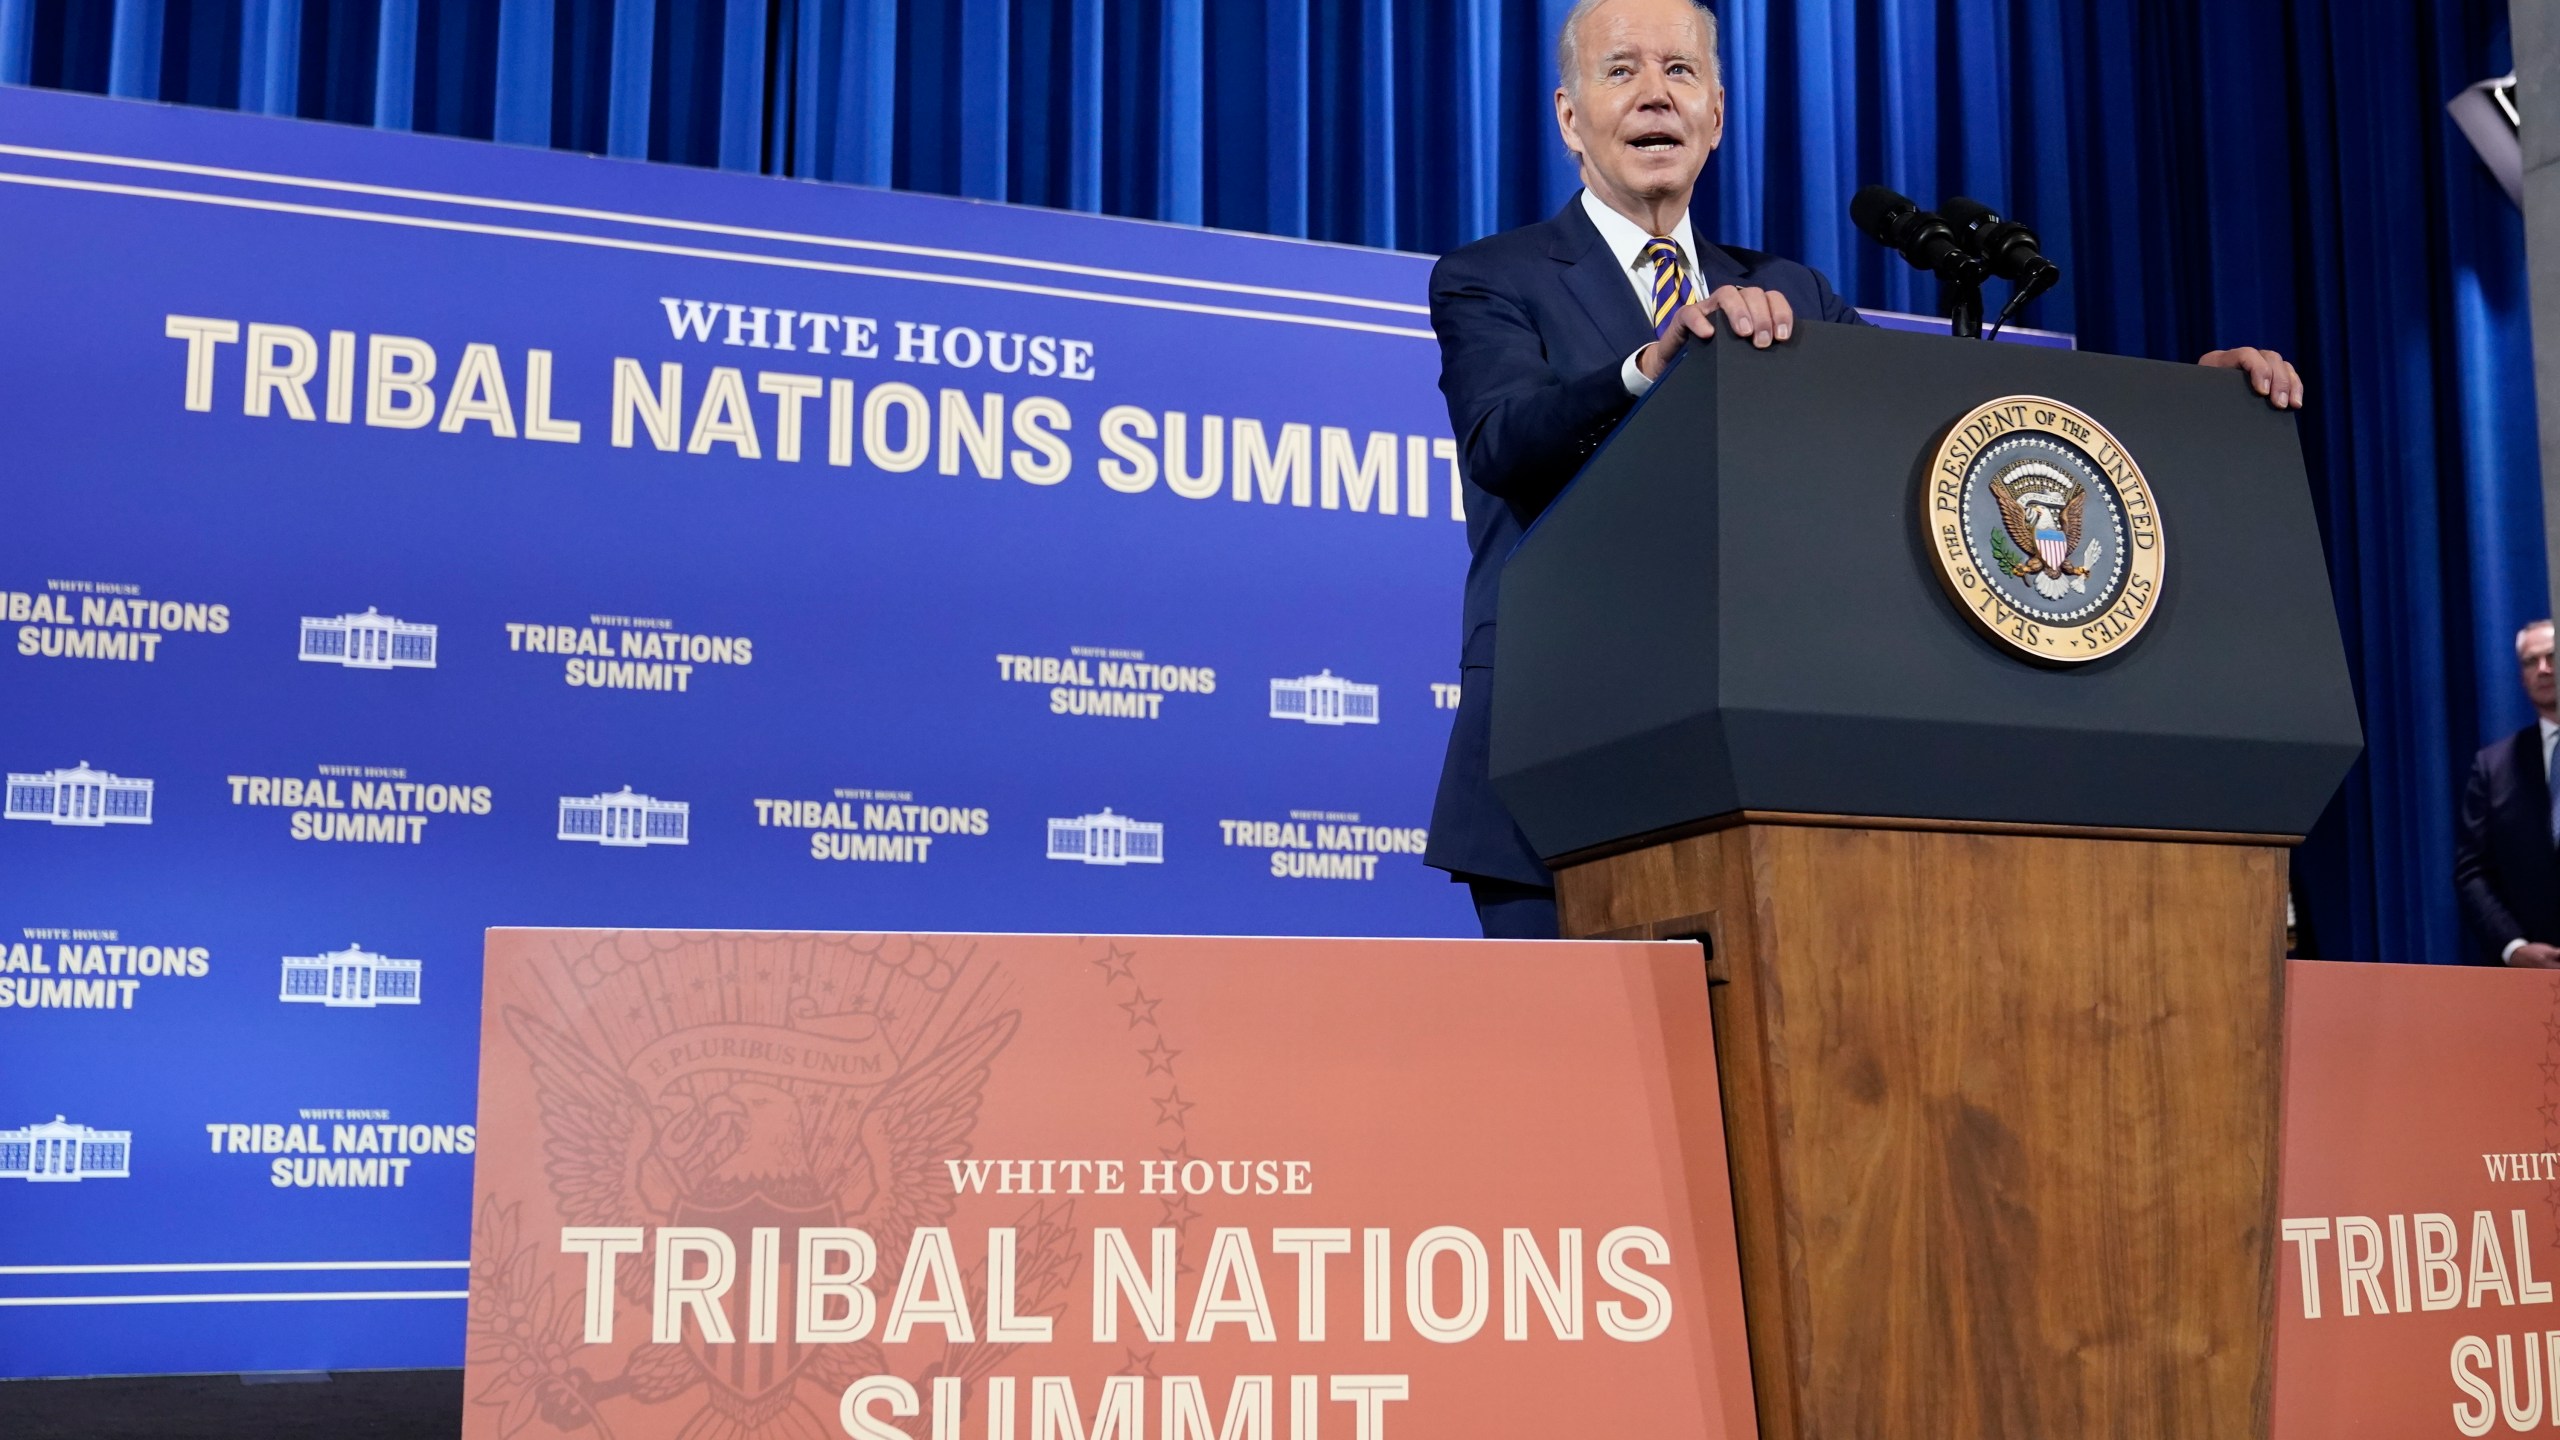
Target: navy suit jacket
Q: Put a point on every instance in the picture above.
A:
(2503, 861)
(1535, 325)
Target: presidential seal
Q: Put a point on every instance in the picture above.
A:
(2043, 530)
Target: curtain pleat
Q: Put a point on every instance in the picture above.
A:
(395, 70)
(133, 63)
(524, 72)
(985, 90)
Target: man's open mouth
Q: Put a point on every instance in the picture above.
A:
(1656, 144)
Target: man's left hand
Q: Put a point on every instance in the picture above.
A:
(1762, 317)
(2270, 374)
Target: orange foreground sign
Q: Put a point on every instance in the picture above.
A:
(783, 1186)
(2420, 1236)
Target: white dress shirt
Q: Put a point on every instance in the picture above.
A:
(2550, 733)
(1626, 240)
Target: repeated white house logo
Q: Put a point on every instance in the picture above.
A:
(79, 796)
(1324, 698)
(353, 977)
(1107, 839)
(370, 641)
(58, 1150)
(625, 819)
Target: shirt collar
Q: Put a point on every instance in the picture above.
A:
(2548, 730)
(1626, 239)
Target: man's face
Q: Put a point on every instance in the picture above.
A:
(1646, 110)
(2534, 657)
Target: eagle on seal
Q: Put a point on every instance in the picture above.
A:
(735, 1150)
(2041, 508)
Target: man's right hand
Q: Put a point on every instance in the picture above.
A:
(1762, 317)
(2533, 956)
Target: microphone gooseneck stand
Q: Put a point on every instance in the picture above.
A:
(1961, 302)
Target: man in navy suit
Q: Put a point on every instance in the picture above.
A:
(2504, 862)
(1550, 333)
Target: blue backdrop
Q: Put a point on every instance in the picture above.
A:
(2275, 173)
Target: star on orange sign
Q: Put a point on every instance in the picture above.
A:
(1159, 1057)
(1115, 963)
(1169, 1111)
(1141, 1362)
(1142, 1011)
(1179, 1212)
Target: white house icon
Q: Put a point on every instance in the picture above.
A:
(59, 1150)
(1107, 839)
(624, 819)
(351, 977)
(79, 796)
(1324, 699)
(370, 641)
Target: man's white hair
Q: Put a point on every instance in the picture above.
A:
(2527, 633)
(1569, 44)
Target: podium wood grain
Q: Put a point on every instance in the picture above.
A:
(2002, 1113)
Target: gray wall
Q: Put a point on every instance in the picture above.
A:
(2537, 40)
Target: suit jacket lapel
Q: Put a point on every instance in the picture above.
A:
(1716, 269)
(1591, 274)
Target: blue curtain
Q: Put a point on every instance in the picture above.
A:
(2211, 172)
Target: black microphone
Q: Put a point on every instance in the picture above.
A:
(2011, 249)
(1923, 238)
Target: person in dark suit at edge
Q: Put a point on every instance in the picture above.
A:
(2504, 861)
(1549, 335)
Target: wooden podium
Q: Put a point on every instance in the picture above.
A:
(1995, 948)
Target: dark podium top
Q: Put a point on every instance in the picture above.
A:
(1732, 608)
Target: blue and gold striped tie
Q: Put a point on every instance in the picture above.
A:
(1670, 281)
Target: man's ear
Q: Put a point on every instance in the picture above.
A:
(1564, 123)
(1715, 122)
